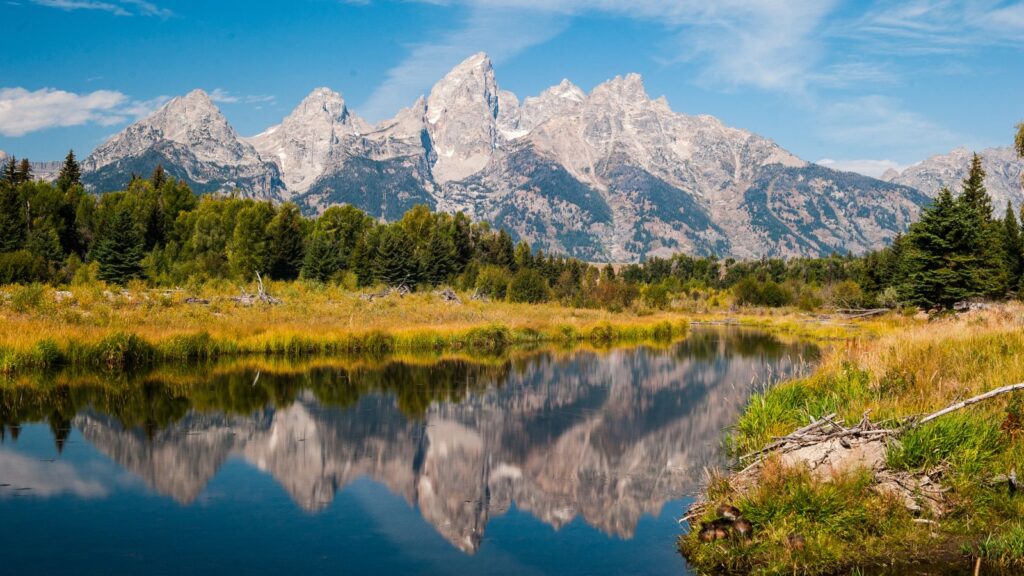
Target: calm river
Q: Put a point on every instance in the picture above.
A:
(545, 463)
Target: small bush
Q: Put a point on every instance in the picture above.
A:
(753, 292)
(527, 285)
(28, 298)
(656, 296)
(22, 267)
(493, 281)
(489, 339)
(121, 351)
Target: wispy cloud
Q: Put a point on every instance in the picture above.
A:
(768, 44)
(222, 96)
(500, 31)
(23, 111)
(115, 7)
(45, 480)
(928, 27)
(884, 124)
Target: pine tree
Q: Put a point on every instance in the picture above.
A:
(321, 262)
(10, 174)
(287, 243)
(24, 173)
(119, 250)
(1013, 248)
(394, 263)
(70, 173)
(12, 218)
(980, 241)
(439, 259)
(159, 177)
(934, 271)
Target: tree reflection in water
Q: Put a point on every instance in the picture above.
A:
(604, 435)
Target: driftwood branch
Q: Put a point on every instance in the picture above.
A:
(798, 432)
(970, 401)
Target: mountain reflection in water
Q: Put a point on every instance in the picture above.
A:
(606, 436)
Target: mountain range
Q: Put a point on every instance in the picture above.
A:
(610, 175)
(1003, 174)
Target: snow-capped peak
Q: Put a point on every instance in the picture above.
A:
(306, 139)
(462, 112)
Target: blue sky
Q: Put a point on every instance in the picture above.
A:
(860, 85)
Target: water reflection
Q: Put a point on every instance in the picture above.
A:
(603, 436)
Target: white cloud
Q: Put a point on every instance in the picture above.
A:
(873, 168)
(502, 33)
(767, 44)
(115, 7)
(45, 479)
(222, 96)
(22, 111)
(921, 27)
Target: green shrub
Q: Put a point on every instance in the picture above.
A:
(845, 294)
(753, 292)
(121, 351)
(28, 298)
(22, 267)
(656, 296)
(493, 281)
(489, 338)
(527, 285)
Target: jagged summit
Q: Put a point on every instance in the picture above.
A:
(605, 175)
(462, 113)
(189, 137)
(1003, 172)
(304, 142)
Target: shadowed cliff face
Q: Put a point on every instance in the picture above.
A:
(603, 436)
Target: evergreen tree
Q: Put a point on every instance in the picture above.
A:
(159, 177)
(523, 256)
(70, 173)
(394, 262)
(287, 243)
(936, 275)
(10, 174)
(44, 242)
(439, 258)
(12, 218)
(321, 262)
(249, 247)
(980, 243)
(1013, 247)
(24, 173)
(119, 249)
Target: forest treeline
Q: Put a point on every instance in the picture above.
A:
(158, 232)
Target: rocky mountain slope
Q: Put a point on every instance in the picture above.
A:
(612, 175)
(194, 142)
(1003, 172)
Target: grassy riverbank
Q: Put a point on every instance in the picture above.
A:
(93, 326)
(844, 522)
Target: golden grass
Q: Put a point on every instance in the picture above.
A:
(907, 371)
(38, 322)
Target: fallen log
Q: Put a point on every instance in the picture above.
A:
(970, 401)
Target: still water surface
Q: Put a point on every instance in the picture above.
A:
(548, 463)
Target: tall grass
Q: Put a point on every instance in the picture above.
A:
(122, 331)
(896, 377)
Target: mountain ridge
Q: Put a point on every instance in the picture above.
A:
(609, 175)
